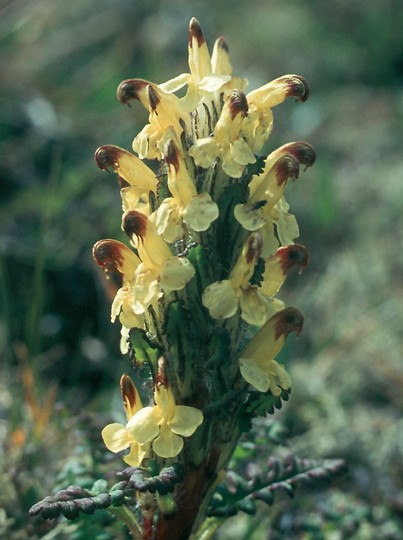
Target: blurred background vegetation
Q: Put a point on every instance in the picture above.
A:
(60, 364)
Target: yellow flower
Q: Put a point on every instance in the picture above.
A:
(113, 256)
(278, 265)
(257, 364)
(300, 150)
(257, 126)
(266, 206)
(226, 143)
(222, 298)
(139, 179)
(165, 423)
(166, 112)
(159, 270)
(196, 211)
(256, 212)
(118, 437)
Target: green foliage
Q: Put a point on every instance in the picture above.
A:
(237, 493)
(75, 500)
(143, 349)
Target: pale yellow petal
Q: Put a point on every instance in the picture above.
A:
(268, 376)
(220, 62)
(175, 273)
(273, 276)
(186, 420)
(287, 226)
(255, 307)
(116, 437)
(167, 444)
(254, 374)
(168, 221)
(136, 455)
(241, 152)
(176, 83)
(220, 299)
(213, 82)
(200, 212)
(250, 216)
(230, 166)
(144, 425)
(146, 290)
(204, 152)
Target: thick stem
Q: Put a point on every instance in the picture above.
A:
(191, 498)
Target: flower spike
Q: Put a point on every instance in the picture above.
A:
(213, 243)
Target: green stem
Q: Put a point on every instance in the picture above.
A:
(127, 517)
(207, 530)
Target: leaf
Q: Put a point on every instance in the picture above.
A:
(229, 233)
(163, 483)
(285, 475)
(75, 500)
(260, 404)
(254, 168)
(186, 338)
(143, 350)
(257, 276)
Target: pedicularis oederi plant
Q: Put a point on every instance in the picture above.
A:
(210, 243)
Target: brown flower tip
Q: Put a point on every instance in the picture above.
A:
(195, 31)
(130, 89)
(286, 321)
(172, 155)
(238, 104)
(153, 97)
(106, 156)
(297, 87)
(303, 151)
(286, 168)
(253, 247)
(134, 222)
(222, 44)
(108, 254)
(294, 255)
(128, 391)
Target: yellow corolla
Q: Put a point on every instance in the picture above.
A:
(159, 270)
(257, 364)
(222, 298)
(186, 206)
(118, 437)
(165, 424)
